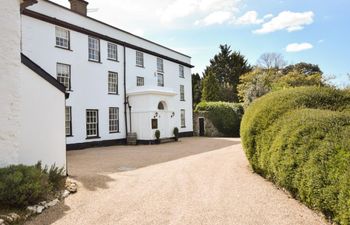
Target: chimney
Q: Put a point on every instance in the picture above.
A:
(79, 6)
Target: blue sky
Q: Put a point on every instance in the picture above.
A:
(312, 31)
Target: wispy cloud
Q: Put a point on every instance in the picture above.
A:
(298, 47)
(250, 17)
(287, 20)
(218, 17)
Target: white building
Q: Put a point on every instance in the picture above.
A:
(118, 83)
(30, 98)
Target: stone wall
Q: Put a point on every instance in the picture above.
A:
(209, 128)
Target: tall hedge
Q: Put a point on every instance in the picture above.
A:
(225, 116)
(300, 139)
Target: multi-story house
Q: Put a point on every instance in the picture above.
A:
(118, 83)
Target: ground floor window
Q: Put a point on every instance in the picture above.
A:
(183, 121)
(92, 123)
(113, 119)
(68, 121)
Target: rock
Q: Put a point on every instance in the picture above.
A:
(53, 203)
(39, 209)
(31, 209)
(65, 194)
(15, 217)
(7, 218)
(2, 222)
(71, 186)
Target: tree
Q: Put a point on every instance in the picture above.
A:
(228, 66)
(211, 88)
(271, 60)
(196, 89)
(303, 68)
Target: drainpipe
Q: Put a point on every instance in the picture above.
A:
(130, 116)
(125, 101)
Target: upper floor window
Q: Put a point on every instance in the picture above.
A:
(68, 121)
(140, 81)
(92, 123)
(113, 119)
(112, 51)
(63, 75)
(62, 38)
(160, 66)
(112, 83)
(182, 93)
(160, 79)
(181, 71)
(94, 49)
(139, 59)
(183, 119)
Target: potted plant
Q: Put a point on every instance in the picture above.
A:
(176, 133)
(157, 134)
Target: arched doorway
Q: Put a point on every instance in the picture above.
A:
(163, 119)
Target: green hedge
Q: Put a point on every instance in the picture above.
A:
(22, 185)
(225, 116)
(300, 139)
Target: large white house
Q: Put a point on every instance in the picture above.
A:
(118, 83)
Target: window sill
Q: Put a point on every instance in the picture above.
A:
(70, 135)
(113, 93)
(114, 132)
(63, 48)
(182, 77)
(95, 137)
(114, 60)
(140, 66)
(183, 126)
(182, 100)
(95, 61)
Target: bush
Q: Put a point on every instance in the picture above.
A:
(22, 185)
(225, 116)
(299, 139)
(176, 133)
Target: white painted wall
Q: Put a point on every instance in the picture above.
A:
(9, 81)
(89, 79)
(42, 135)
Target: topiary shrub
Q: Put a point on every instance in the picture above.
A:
(225, 116)
(157, 135)
(299, 139)
(22, 185)
(176, 133)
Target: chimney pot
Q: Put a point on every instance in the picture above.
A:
(79, 6)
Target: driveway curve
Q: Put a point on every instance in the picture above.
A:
(212, 186)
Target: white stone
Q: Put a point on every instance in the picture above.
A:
(40, 209)
(53, 203)
(31, 209)
(2, 222)
(65, 194)
(15, 217)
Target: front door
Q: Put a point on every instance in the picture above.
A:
(201, 126)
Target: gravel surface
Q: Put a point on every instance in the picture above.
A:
(195, 181)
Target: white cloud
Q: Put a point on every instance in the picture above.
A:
(287, 20)
(298, 47)
(218, 17)
(250, 17)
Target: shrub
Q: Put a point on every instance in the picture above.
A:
(176, 133)
(299, 139)
(22, 185)
(157, 134)
(225, 116)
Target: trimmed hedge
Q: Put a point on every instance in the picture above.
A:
(300, 139)
(225, 116)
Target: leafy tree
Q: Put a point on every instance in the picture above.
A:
(211, 88)
(228, 66)
(196, 89)
(271, 60)
(303, 68)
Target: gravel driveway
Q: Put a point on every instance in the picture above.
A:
(195, 181)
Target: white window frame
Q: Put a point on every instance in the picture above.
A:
(63, 73)
(112, 51)
(181, 71)
(140, 81)
(62, 38)
(160, 82)
(92, 123)
(94, 49)
(113, 119)
(68, 121)
(183, 118)
(160, 65)
(182, 92)
(139, 59)
(112, 83)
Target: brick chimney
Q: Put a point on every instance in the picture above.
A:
(79, 6)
